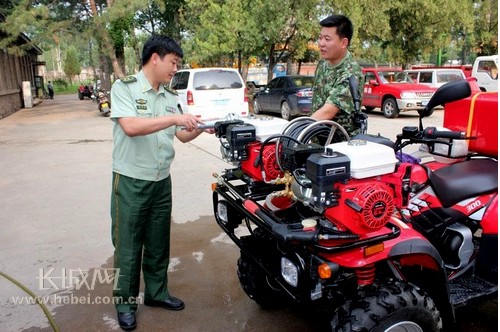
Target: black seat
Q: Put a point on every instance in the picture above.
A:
(467, 179)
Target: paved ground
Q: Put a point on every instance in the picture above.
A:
(55, 186)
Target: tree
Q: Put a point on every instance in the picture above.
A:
(161, 17)
(111, 23)
(371, 29)
(486, 27)
(71, 64)
(231, 32)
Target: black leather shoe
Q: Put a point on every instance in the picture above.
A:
(127, 321)
(172, 303)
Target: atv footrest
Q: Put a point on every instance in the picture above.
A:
(467, 289)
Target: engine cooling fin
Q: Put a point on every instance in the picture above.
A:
(269, 162)
(377, 206)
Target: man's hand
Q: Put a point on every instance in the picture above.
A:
(188, 122)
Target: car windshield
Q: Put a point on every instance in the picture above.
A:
(303, 82)
(394, 77)
(216, 80)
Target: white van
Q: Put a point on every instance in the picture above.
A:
(211, 93)
(435, 77)
(485, 70)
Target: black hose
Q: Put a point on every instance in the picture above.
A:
(267, 140)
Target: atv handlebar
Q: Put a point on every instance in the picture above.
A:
(433, 133)
(429, 136)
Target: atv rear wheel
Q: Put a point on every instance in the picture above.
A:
(258, 286)
(391, 307)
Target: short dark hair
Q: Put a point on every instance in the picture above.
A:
(342, 23)
(162, 45)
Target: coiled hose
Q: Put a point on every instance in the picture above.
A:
(305, 129)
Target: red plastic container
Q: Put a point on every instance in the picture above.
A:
(476, 115)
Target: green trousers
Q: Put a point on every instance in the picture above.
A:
(141, 214)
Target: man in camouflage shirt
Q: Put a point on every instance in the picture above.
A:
(332, 98)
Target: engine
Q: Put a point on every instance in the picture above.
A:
(340, 180)
(261, 164)
(365, 206)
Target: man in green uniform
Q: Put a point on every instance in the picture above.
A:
(146, 119)
(332, 98)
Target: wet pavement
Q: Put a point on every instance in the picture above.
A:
(55, 161)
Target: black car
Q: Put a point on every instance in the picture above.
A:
(290, 96)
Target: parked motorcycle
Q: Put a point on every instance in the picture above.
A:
(362, 230)
(103, 103)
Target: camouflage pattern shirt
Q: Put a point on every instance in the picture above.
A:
(331, 85)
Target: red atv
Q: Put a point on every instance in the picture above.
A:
(372, 237)
(85, 91)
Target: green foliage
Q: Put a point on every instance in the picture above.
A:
(486, 27)
(406, 31)
(161, 17)
(62, 87)
(60, 84)
(71, 65)
(231, 32)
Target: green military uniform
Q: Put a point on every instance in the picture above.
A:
(141, 201)
(331, 85)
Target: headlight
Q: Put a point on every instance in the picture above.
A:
(289, 271)
(222, 211)
(408, 95)
(227, 215)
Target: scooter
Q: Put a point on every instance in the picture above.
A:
(103, 103)
(372, 237)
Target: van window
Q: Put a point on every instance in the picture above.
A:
(216, 80)
(489, 67)
(425, 77)
(413, 75)
(447, 76)
(180, 80)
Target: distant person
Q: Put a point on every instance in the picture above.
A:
(332, 99)
(50, 87)
(279, 70)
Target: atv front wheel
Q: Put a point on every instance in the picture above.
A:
(258, 286)
(390, 307)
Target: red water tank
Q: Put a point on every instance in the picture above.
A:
(477, 116)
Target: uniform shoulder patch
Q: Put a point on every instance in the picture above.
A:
(129, 79)
(169, 89)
